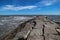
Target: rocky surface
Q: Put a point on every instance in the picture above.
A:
(9, 23)
(44, 30)
(41, 29)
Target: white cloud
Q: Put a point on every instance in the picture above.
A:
(37, 5)
(16, 8)
(46, 3)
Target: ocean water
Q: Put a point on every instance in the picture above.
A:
(54, 17)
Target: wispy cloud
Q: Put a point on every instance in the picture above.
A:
(38, 5)
(16, 8)
(46, 3)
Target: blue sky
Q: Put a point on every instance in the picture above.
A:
(29, 7)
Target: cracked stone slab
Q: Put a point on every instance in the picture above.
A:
(52, 37)
(36, 35)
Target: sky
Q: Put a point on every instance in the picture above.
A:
(29, 7)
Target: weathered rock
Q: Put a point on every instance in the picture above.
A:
(21, 35)
(36, 35)
(52, 37)
(50, 30)
(44, 29)
(58, 30)
(24, 32)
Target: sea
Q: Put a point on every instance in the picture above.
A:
(56, 18)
